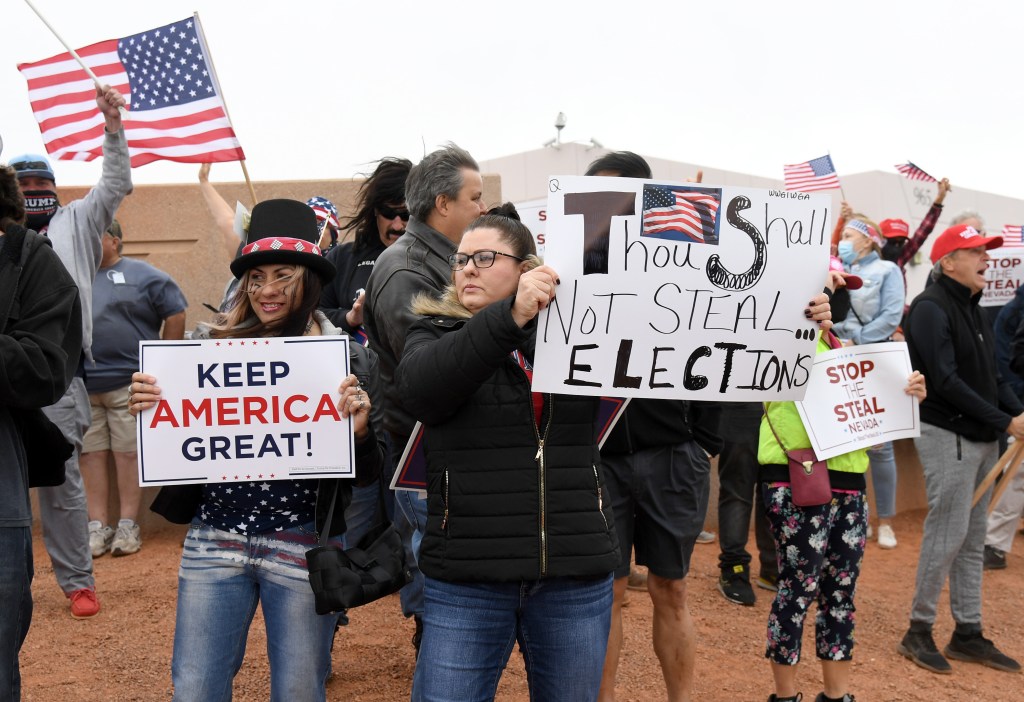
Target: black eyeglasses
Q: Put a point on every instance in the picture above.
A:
(481, 259)
(30, 166)
(390, 213)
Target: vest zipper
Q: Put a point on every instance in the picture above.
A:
(444, 519)
(600, 497)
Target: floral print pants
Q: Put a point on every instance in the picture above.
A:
(820, 550)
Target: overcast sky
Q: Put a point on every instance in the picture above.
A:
(318, 89)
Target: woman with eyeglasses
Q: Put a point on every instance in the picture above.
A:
(519, 542)
(247, 542)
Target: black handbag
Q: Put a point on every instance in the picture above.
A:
(346, 578)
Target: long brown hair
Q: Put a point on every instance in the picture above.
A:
(240, 321)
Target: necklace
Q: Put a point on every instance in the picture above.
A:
(309, 325)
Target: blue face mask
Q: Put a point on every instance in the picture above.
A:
(846, 252)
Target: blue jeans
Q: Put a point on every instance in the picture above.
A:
(411, 522)
(223, 577)
(16, 613)
(883, 478)
(469, 630)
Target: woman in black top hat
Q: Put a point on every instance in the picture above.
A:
(247, 541)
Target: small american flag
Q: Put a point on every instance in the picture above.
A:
(1012, 235)
(816, 174)
(176, 112)
(914, 173)
(681, 213)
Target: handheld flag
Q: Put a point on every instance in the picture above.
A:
(914, 173)
(816, 174)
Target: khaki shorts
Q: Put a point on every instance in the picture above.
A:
(112, 426)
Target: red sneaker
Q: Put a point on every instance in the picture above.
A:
(84, 603)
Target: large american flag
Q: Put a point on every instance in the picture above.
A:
(914, 173)
(176, 112)
(1012, 235)
(816, 174)
(681, 213)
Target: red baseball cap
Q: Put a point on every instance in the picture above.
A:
(962, 236)
(853, 282)
(894, 228)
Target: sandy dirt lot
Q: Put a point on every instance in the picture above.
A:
(124, 653)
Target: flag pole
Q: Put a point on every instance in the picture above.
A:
(213, 71)
(842, 193)
(74, 54)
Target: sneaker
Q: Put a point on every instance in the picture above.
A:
(919, 646)
(126, 540)
(886, 537)
(845, 698)
(773, 698)
(637, 580)
(100, 538)
(975, 648)
(768, 582)
(870, 532)
(84, 603)
(706, 537)
(734, 584)
(994, 558)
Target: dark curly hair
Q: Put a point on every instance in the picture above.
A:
(386, 185)
(12, 202)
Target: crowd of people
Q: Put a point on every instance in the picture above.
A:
(529, 531)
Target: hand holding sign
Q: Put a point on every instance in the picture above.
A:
(355, 404)
(143, 393)
(536, 290)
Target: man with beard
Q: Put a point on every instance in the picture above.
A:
(76, 232)
(444, 193)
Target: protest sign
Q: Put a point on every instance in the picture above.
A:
(1004, 275)
(855, 399)
(245, 409)
(680, 290)
(534, 214)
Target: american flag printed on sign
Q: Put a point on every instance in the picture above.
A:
(816, 174)
(914, 173)
(1012, 235)
(681, 213)
(175, 110)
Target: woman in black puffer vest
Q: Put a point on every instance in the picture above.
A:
(520, 542)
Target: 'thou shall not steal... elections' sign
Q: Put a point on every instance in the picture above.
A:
(856, 400)
(672, 290)
(245, 409)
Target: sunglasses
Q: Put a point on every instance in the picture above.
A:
(481, 259)
(30, 166)
(390, 213)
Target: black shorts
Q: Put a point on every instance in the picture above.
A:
(660, 498)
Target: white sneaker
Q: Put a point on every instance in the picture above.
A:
(706, 537)
(100, 538)
(127, 540)
(886, 537)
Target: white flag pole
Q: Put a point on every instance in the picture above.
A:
(74, 54)
(216, 83)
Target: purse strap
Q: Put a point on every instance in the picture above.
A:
(330, 515)
(774, 433)
(382, 514)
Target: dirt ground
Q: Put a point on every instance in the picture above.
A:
(124, 653)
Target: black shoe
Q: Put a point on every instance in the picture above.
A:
(994, 558)
(975, 648)
(417, 636)
(773, 698)
(845, 698)
(919, 646)
(734, 584)
(768, 582)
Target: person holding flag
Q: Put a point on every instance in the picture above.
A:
(76, 232)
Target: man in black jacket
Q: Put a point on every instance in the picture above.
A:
(40, 345)
(657, 464)
(966, 410)
(444, 193)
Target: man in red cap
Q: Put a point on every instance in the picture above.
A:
(966, 410)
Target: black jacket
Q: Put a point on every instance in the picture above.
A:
(506, 501)
(647, 423)
(951, 343)
(354, 265)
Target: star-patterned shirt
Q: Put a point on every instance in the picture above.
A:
(258, 507)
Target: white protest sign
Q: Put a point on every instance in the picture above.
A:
(534, 214)
(680, 290)
(245, 409)
(1005, 273)
(855, 399)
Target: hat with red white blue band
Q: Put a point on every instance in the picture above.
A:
(283, 231)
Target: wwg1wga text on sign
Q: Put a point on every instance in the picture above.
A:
(855, 399)
(245, 409)
(680, 291)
